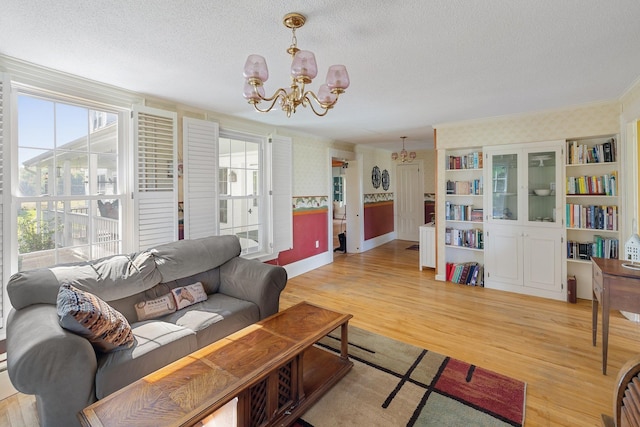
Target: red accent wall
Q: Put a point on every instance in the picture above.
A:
(378, 219)
(309, 226)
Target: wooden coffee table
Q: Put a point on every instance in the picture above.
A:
(272, 367)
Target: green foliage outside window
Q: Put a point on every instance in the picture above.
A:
(33, 234)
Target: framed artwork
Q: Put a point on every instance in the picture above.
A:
(376, 177)
(385, 180)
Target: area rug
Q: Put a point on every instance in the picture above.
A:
(396, 384)
(414, 247)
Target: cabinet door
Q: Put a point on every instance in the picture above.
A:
(543, 258)
(502, 179)
(543, 174)
(503, 256)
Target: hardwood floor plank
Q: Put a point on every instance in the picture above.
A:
(543, 342)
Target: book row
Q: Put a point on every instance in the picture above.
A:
(601, 247)
(472, 238)
(467, 273)
(582, 153)
(462, 212)
(473, 187)
(597, 185)
(469, 161)
(594, 217)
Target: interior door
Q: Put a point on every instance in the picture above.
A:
(409, 202)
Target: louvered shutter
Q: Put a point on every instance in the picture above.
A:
(4, 94)
(155, 195)
(280, 190)
(200, 178)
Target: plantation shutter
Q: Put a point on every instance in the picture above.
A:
(4, 95)
(155, 188)
(280, 191)
(200, 178)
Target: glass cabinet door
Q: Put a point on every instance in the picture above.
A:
(503, 203)
(542, 176)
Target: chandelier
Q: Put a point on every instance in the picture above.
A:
(404, 156)
(303, 70)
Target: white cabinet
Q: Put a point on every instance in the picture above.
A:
(524, 233)
(427, 246)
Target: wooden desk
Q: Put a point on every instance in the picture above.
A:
(617, 288)
(271, 366)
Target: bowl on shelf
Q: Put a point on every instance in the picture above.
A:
(542, 192)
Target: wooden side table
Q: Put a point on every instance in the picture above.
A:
(616, 288)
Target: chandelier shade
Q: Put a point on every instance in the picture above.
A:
(303, 70)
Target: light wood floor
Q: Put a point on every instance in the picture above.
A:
(545, 343)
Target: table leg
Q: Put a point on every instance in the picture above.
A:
(344, 341)
(605, 333)
(594, 317)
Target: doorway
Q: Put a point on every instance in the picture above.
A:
(339, 202)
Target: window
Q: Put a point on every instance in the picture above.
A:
(67, 197)
(240, 189)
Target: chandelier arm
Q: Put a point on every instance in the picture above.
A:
(309, 96)
(324, 113)
(273, 99)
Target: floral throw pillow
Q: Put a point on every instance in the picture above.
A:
(87, 315)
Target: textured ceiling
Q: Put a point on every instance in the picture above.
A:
(412, 64)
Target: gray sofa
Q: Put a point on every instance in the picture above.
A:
(66, 372)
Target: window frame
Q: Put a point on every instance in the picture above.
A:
(16, 199)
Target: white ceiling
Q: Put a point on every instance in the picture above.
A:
(412, 64)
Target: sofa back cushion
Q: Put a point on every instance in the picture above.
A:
(110, 278)
(185, 258)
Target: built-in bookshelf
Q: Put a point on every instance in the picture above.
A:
(464, 236)
(592, 214)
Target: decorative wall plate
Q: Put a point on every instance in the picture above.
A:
(385, 180)
(375, 177)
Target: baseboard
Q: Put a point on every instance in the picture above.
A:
(303, 266)
(378, 241)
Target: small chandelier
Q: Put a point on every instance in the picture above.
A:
(404, 156)
(303, 70)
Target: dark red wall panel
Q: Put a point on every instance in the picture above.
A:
(378, 219)
(308, 227)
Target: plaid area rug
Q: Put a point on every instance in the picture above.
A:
(396, 384)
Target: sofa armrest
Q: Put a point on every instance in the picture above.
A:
(251, 280)
(57, 366)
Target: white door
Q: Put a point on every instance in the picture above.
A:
(409, 201)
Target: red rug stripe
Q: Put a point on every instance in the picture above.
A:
(487, 390)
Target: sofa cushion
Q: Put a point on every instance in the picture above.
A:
(188, 257)
(156, 345)
(206, 318)
(113, 277)
(87, 315)
(109, 278)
